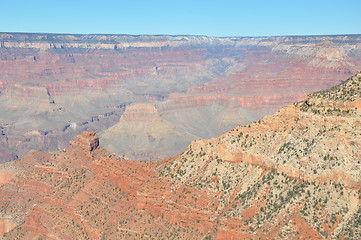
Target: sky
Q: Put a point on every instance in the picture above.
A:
(186, 17)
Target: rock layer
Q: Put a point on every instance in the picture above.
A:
(291, 175)
(58, 86)
(143, 134)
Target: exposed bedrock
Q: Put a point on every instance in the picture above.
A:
(60, 85)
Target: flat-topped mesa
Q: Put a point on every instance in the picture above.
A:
(88, 141)
(141, 112)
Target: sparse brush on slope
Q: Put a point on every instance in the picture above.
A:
(294, 174)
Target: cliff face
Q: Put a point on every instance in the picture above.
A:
(294, 174)
(53, 87)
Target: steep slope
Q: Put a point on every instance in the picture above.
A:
(292, 175)
(300, 138)
(55, 86)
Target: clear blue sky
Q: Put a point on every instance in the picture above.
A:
(196, 17)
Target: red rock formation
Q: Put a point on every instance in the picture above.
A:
(88, 141)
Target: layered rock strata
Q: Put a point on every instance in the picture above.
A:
(291, 175)
(54, 86)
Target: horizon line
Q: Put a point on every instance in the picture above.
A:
(183, 35)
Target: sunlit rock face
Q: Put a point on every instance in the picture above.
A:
(291, 175)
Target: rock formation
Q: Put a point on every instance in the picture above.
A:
(143, 134)
(291, 175)
(87, 141)
(54, 86)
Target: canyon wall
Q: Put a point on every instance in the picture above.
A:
(53, 86)
(291, 175)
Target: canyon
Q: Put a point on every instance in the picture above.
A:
(294, 174)
(53, 87)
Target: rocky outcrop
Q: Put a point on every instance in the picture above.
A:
(87, 141)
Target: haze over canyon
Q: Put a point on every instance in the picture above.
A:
(291, 175)
(148, 97)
